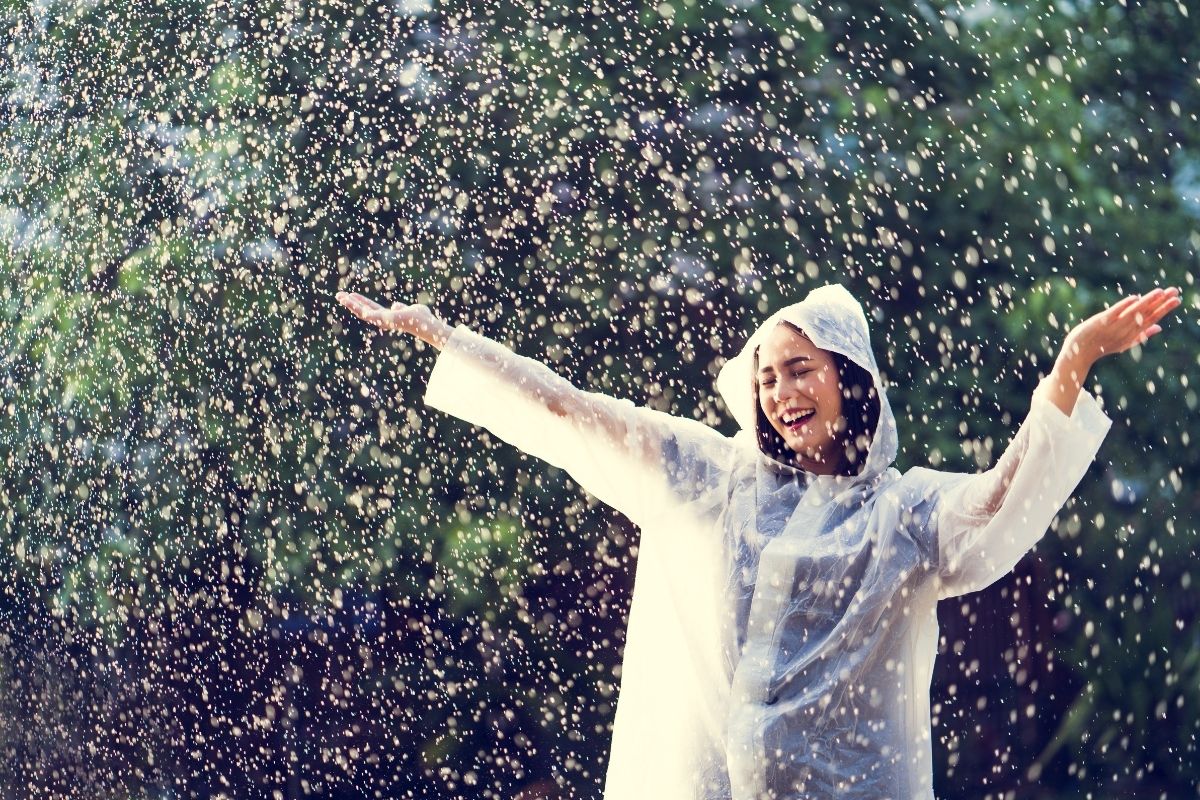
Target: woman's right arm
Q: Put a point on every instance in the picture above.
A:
(557, 395)
(635, 459)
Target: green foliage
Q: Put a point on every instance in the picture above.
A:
(192, 428)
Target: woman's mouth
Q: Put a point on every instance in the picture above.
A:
(796, 421)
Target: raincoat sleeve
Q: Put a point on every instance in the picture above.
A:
(987, 521)
(642, 462)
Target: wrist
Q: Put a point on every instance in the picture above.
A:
(1077, 355)
(433, 331)
(1072, 368)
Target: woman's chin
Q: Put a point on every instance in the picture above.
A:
(800, 442)
(806, 452)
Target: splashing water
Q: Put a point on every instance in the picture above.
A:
(242, 559)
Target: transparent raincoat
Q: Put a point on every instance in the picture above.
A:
(782, 630)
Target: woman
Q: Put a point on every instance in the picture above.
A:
(783, 626)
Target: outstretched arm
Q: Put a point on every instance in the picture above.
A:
(634, 459)
(558, 397)
(986, 522)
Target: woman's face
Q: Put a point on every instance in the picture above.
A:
(799, 394)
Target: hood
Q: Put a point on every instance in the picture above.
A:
(834, 321)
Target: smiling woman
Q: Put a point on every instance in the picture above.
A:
(783, 627)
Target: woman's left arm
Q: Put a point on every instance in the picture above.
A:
(986, 522)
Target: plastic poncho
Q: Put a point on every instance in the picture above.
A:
(783, 625)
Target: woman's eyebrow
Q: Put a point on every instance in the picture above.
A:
(787, 363)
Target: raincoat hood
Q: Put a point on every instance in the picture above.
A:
(834, 321)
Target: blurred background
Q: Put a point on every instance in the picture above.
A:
(241, 559)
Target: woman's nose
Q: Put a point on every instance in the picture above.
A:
(784, 390)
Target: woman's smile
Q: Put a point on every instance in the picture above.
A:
(799, 421)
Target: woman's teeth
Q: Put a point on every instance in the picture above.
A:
(797, 420)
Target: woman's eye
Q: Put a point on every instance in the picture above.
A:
(797, 374)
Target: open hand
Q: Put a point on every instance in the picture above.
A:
(1132, 320)
(415, 319)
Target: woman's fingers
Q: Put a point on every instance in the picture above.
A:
(368, 303)
(365, 309)
(1156, 306)
(356, 302)
(1167, 304)
(1140, 305)
(1159, 303)
(1117, 308)
(1145, 309)
(1155, 314)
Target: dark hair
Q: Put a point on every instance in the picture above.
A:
(860, 407)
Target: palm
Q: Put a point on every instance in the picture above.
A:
(1130, 321)
(400, 317)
